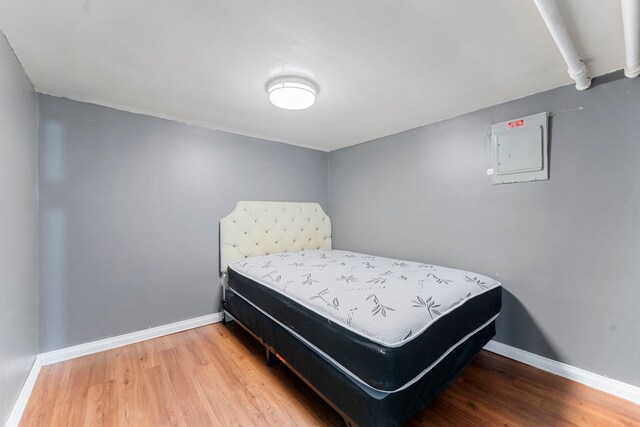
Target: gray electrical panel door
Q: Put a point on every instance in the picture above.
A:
(520, 150)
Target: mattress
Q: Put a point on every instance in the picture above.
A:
(384, 322)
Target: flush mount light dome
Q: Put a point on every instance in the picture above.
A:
(292, 93)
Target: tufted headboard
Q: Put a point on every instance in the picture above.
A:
(262, 228)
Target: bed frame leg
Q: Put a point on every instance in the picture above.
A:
(270, 358)
(223, 305)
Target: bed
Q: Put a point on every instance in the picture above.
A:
(377, 338)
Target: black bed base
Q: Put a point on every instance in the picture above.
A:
(356, 406)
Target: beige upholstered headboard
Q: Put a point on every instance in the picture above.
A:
(263, 228)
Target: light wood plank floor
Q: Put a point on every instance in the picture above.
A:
(215, 375)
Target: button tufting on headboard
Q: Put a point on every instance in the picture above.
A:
(258, 228)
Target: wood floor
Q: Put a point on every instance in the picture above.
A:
(215, 375)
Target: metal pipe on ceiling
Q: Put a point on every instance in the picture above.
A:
(631, 22)
(576, 68)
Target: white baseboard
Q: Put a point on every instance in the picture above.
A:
(25, 393)
(608, 385)
(126, 339)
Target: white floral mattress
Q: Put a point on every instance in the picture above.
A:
(386, 300)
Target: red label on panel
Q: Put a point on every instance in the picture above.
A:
(515, 124)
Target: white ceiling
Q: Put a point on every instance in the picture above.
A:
(382, 66)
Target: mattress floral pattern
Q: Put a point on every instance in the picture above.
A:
(386, 300)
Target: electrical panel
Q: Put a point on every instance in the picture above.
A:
(520, 152)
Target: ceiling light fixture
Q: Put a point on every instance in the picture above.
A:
(292, 93)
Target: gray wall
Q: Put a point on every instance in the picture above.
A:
(129, 211)
(567, 250)
(18, 228)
